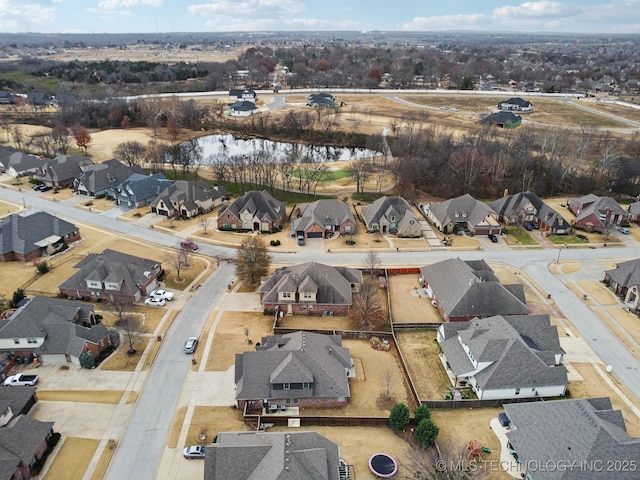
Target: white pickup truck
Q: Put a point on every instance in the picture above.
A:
(21, 380)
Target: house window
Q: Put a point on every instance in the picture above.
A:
(286, 386)
(16, 341)
(307, 296)
(310, 307)
(31, 340)
(517, 391)
(295, 401)
(286, 294)
(305, 386)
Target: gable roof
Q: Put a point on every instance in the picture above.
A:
(272, 456)
(259, 203)
(20, 441)
(471, 289)
(140, 187)
(593, 204)
(63, 167)
(386, 207)
(584, 431)
(188, 194)
(296, 357)
(517, 101)
(332, 284)
(243, 106)
(464, 208)
(21, 162)
(626, 274)
(21, 232)
(520, 356)
(513, 204)
(502, 118)
(323, 212)
(99, 177)
(128, 271)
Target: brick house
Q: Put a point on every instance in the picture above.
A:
(113, 276)
(24, 445)
(392, 215)
(255, 211)
(299, 369)
(310, 289)
(28, 236)
(323, 218)
(464, 212)
(526, 207)
(624, 280)
(595, 214)
(62, 171)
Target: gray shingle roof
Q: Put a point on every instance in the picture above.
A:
(63, 168)
(272, 456)
(189, 195)
(20, 441)
(521, 350)
(332, 284)
(502, 118)
(626, 274)
(20, 232)
(100, 177)
(128, 271)
(513, 204)
(261, 204)
(592, 204)
(323, 212)
(463, 209)
(471, 289)
(582, 430)
(140, 187)
(385, 207)
(294, 358)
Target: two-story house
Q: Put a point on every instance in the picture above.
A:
(392, 215)
(255, 211)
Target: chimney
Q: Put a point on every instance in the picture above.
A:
(506, 192)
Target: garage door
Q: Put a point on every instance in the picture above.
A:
(55, 358)
(314, 235)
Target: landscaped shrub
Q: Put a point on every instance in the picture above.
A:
(399, 416)
(43, 267)
(421, 413)
(426, 433)
(87, 360)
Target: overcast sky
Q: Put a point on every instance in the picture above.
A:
(150, 16)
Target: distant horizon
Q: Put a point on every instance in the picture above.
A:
(103, 17)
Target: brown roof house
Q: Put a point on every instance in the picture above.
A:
(272, 456)
(505, 357)
(595, 214)
(33, 234)
(392, 215)
(462, 290)
(624, 280)
(323, 218)
(112, 276)
(187, 199)
(299, 369)
(575, 439)
(57, 331)
(255, 212)
(310, 288)
(464, 212)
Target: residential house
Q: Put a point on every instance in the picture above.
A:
(272, 456)
(392, 215)
(515, 104)
(20, 164)
(624, 280)
(139, 190)
(584, 435)
(634, 212)
(505, 356)
(61, 171)
(503, 119)
(299, 369)
(242, 108)
(310, 288)
(526, 207)
(16, 401)
(97, 179)
(113, 276)
(246, 94)
(33, 234)
(321, 100)
(57, 331)
(6, 98)
(187, 199)
(323, 219)
(254, 211)
(596, 214)
(462, 290)
(25, 443)
(464, 212)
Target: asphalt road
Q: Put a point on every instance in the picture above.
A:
(141, 448)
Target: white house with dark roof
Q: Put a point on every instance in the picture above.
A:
(113, 276)
(299, 369)
(392, 215)
(505, 357)
(310, 288)
(462, 290)
(19, 164)
(516, 104)
(242, 108)
(464, 212)
(272, 456)
(577, 439)
(56, 330)
(33, 234)
(187, 199)
(323, 218)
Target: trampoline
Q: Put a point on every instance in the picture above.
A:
(383, 465)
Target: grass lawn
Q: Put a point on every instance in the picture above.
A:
(566, 239)
(519, 236)
(331, 176)
(122, 360)
(72, 460)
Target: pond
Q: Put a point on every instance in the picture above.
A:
(226, 147)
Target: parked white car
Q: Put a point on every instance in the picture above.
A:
(155, 302)
(168, 296)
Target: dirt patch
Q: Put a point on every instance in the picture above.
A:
(594, 385)
(122, 361)
(90, 396)
(230, 338)
(599, 292)
(409, 303)
(71, 462)
(421, 352)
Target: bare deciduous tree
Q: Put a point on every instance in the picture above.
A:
(131, 153)
(129, 324)
(386, 382)
(205, 222)
(372, 262)
(253, 260)
(367, 309)
(176, 261)
(446, 461)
